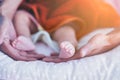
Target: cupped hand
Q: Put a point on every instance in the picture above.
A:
(19, 55)
(96, 45)
(56, 59)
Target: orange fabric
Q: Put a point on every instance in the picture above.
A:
(86, 15)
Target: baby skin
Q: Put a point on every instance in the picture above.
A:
(7, 36)
(65, 39)
(7, 32)
(23, 43)
(66, 49)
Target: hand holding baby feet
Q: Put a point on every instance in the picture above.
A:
(23, 43)
(66, 50)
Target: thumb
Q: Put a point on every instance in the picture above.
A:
(87, 49)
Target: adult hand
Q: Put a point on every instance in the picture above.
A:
(56, 59)
(18, 55)
(101, 43)
(97, 44)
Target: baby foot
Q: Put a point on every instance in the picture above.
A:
(67, 50)
(23, 43)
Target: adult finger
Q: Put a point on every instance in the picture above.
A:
(23, 58)
(13, 53)
(94, 45)
(54, 54)
(31, 55)
(54, 59)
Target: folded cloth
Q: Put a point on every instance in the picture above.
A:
(45, 37)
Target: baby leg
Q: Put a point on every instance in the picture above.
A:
(23, 43)
(65, 36)
(24, 27)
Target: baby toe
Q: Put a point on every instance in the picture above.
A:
(15, 43)
(67, 49)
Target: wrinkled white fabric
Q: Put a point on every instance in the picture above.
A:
(45, 37)
(100, 67)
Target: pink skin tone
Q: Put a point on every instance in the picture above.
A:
(67, 49)
(98, 44)
(8, 34)
(101, 43)
(100, 40)
(23, 44)
(9, 11)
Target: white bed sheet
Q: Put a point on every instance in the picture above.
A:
(100, 67)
